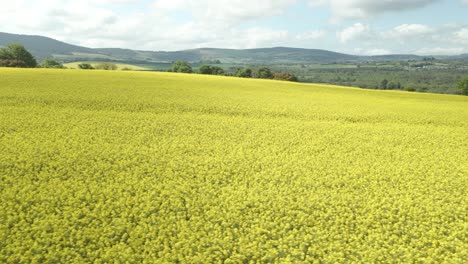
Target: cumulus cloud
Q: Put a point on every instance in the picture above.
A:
(183, 24)
(153, 26)
(409, 32)
(356, 31)
(461, 36)
(440, 51)
(343, 9)
(310, 35)
(400, 33)
(372, 51)
(448, 39)
(375, 52)
(226, 11)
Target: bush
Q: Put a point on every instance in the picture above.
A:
(264, 73)
(181, 66)
(51, 63)
(12, 63)
(285, 76)
(463, 86)
(214, 70)
(244, 73)
(206, 69)
(85, 66)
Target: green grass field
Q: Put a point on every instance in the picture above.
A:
(120, 66)
(128, 167)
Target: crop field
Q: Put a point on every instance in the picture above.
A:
(128, 167)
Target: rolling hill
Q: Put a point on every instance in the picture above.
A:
(43, 47)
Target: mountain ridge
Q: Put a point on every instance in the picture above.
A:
(45, 47)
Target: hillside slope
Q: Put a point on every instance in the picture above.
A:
(264, 55)
(100, 166)
(43, 47)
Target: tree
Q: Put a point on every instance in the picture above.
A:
(264, 73)
(285, 76)
(392, 86)
(181, 66)
(206, 69)
(217, 70)
(85, 66)
(51, 63)
(463, 86)
(383, 84)
(214, 70)
(244, 73)
(15, 55)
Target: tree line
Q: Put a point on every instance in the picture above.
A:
(16, 55)
(246, 72)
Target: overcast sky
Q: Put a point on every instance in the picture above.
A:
(367, 27)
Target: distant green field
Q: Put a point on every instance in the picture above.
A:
(131, 167)
(121, 66)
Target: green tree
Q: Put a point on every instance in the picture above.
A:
(217, 70)
(15, 55)
(206, 69)
(264, 73)
(85, 66)
(399, 86)
(384, 84)
(51, 63)
(285, 76)
(214, 70)
(244, 73)
(392, 86)
(463, 86)
(181, 66)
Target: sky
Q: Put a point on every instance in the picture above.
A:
(363, 27)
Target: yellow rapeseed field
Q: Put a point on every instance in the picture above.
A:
(128, 167)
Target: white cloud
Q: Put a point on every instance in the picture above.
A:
(464, 2)
(342, 9)
(117, 1)
(410, 32)
(183, 24)
(461, 36)
(375, 52)
(356, 31)
(158, 26)
(447, 39)
(440, 51)
(310, 35)
(371, 51)
(169, 5)
(226, 11)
